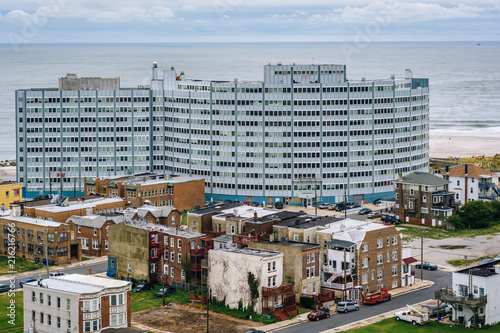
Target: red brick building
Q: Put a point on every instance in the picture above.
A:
(181, 192)
(92, 231)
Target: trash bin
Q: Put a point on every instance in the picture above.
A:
(37, 260)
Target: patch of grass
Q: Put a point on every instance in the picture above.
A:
(462, 262)
(438, 233)
(85, 258)
(184, 217)
(5, 301)
(241, 314)
(391, 325)
(21, 265)
(148, 299)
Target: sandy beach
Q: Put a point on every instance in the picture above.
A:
(463, 146)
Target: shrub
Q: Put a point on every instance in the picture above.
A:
(473, 215)
(306, 302)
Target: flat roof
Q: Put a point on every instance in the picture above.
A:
(95, 280)
(277, 216)
(78, 205)
(164, 229)
(32, 220)
(214, 208)
(308, 221)
(174, 180)
(251, 252)
(484, 270)
(303, 245)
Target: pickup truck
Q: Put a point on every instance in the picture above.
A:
(413, 316)
(376, 297)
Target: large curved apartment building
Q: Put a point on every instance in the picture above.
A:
(258, 141)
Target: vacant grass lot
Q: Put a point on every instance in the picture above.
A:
(5, 326)
(437, 233)
(147, 299)
(21, 265)
(391, 325)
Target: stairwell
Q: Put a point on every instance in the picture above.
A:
(280, 315)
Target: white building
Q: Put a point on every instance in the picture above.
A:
(470, 182)
(475, 294)
(76, 303)
(407, 279)
(251, 141)
(228, 271)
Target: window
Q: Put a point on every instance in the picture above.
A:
(274, 265)
(113, 320)
(172, 256)
(411, 191)
(394, 255)
(463, 290)
(410, 204)
(183, 276)
(85, 243)
(58, 322)
(364, 247)
(68, 304)
(314, 288)
(113, 299)
(394, 270)
(173, 219)
(424, 198)
(120, 299)
(172, 242)
(308, 257)
(373, 275)
(268, 266)
(95, 244)
(364, 278)
(95, 231)
(388, 241)
(172, 272)
(471, 190)
(313, 259)
(87, 326)
(394, 240)
(481, 291)
(179, 258)
(379, 259)
(269, 281)
(233, 229)
(476, 290)
(458, 182)
(41, 298)
(58, 302)
(388, 256)
(69, 324)
(380, 243)
(152, 268)
(274, 281)
(33, 315)
(49, 300)
(179, 243)
(41, 317)
(129, 267)
(364, 262)
(49, 320)
(380, 274)
(106, 244)
(312, 272)
(295, 237)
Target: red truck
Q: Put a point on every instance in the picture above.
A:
(376, 297)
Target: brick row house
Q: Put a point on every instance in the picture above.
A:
(151, 251)
(76, 303)
(423, 198)
(358, 257)
(181, 192)
(35, 239)
(92, 230)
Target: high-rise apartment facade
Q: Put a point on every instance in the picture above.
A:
(255, 141)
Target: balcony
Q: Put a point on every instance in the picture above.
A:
(337, 286)
(447, 296)
(284, 289)
(247, 237)
(214, 234)
(195, 267)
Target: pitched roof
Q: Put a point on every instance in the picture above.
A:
(473, 171)
(422, 178)
(95, 221)
(142, 211)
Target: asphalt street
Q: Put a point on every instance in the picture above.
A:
(441, 279)
(96, 268)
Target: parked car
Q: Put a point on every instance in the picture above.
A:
(392, 219)
(4, 288)
(27, 280)
(54, 274)
(269, 205)
(166, 291)
(278, 205)
(487, 260)
(253, 330)
(332, 207)
(373, 215)
(131, 279)
(364, 211)
(377, 201)
(341, 206)
(431, 308)
(254, 204)
(236, 201)
(354, 205)
(318, 314)
(427, 265)
(228, 201)
(143, 287)
(324, 206)
(347, 306)
(246, 203)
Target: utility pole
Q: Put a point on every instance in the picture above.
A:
(50, 185)
(74, 187)
(162, 254)
(315, 198)
(47, 250)
(208, 302)
(345, 277)
(61, 180)
(422, 254)
(345, 202)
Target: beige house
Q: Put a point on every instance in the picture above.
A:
(300, 265)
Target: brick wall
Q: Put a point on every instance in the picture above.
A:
(105, 311)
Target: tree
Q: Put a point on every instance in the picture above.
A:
(495, 206)
(254, 288)
(475, 214)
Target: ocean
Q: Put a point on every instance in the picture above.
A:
(464, 77)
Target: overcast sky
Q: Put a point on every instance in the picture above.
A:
(60, 21)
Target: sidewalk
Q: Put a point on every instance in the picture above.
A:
(43, 270)
(395, 292)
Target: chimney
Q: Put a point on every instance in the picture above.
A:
(155, 71)
(400, 176)
(466, 169)
(447, 169)
(255, 214)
